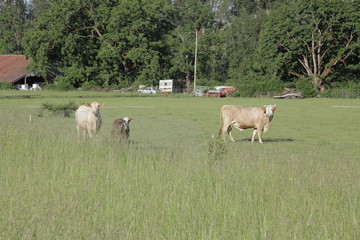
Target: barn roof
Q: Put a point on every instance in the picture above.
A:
(12, 67)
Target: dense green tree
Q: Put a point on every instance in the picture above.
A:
(256, 45)
(190, 16)
(244, 21)
(100, 43)
(136, 32)
(13, 24)
(310, 38)
(38, 7)
(213, 58)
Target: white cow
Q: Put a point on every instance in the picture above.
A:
(242, 118)
(88, 118)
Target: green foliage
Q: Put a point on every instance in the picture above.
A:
(348, 89)
(216, 149)
(308, 39)
(66, 109)
(259, 88)
(5, 85)
(340, 93)
(198, 18)
(89, 85)
(62, 83)
(346, 85)
(125, 44)
(13, 24)
(131, 42)
(306, 88)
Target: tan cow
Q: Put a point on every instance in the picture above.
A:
(242, 118)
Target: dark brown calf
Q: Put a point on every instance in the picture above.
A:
(121, 129)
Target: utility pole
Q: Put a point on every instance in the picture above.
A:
(196, 43)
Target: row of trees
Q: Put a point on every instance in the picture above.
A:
(257, 45)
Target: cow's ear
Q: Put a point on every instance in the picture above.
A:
(274, 108)
(264, 109)
(131, 119)
(88, 104)
(101, 104)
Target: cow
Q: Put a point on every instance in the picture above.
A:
(242, 118)
(121, 129)
(88, 119)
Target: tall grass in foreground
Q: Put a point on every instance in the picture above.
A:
(53, 188)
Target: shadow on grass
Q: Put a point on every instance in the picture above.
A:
(269, 140)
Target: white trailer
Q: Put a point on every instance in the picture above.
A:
(172, 86)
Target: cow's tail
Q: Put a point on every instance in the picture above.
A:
(221, 123)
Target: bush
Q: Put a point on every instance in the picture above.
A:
(61, 83)
(245, 90)
(341, 93)
(5, 86)
(270, 87)
(346, 85)
(236, 93)
(306, 88)
(251, 89)
(89, 85)
(67, 109)
(216, 149)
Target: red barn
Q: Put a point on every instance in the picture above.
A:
(13, 70)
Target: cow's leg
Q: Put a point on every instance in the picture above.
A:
(259, 134)
(253, 135)
(84, 131)
(231, 126)
(89, 132)
(229, 133)
(222, 133)
(78, 133)
(224, 130)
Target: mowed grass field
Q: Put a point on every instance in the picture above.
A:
(174, 180)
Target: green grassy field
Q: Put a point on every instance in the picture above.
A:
(174, 181)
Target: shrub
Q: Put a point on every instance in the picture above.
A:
(306, 88)
(216, 149)
(61, 83)
(89, 85)
(269, 87)
(5, 86)
(67, 109)
(236, 93)
(251, 89)
(346, 85)
(245, 90)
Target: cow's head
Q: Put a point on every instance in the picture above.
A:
(95, 106)
(269, 110)
(125, 122)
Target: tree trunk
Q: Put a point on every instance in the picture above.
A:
(195, 61)
(188, 82)
(316, 82)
